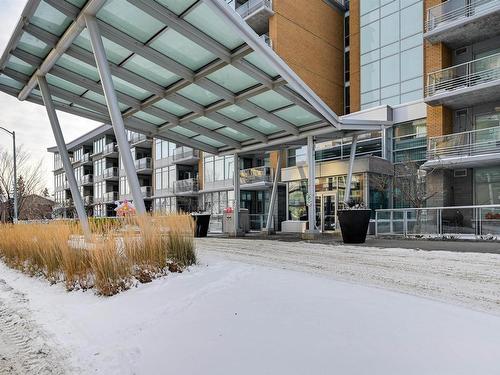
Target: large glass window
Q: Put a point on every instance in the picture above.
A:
(487, 185)
(391, 52)
(410, 141)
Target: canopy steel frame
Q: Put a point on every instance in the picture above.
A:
(115, 113)
(63, 152)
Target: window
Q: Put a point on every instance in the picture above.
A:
(410, 141)
(391, 52)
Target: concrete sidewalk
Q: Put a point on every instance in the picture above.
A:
(371, 241)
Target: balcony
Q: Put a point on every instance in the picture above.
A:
(186, 187)
(146, 191)
(458, 23)
(110, 197)
(256, 13)
(464, 85)
(68, 202)
(464, 150)
(86, 159)
(186, 156)
(87, 180)
(110, 174)
(140, 140)
(110, 150)
(144, 165)
(257, 178)
(88, 200)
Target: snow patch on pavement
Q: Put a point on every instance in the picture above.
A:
(471, 280)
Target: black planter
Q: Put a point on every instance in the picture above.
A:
(202, 222)
(354, 224)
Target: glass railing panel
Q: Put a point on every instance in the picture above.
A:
(458, 221)
(422, 222)
(489, 221)
(256, 175)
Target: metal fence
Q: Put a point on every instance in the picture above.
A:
(469, 74)
(460, 221)
(469, 143)
(251, 6)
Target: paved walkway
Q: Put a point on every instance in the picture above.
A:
(468, 279)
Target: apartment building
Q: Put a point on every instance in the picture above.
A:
(430, 68)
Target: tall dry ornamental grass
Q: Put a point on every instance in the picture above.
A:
(141, 247)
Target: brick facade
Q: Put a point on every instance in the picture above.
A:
(308, 35)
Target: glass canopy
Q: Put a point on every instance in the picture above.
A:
(177, 66)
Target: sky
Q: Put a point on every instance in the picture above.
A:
(29, 120)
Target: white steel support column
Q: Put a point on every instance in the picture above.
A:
(347, 194)
(115, 113)
(311, 183)
(63, 152)
(274, 196)
(236, 184)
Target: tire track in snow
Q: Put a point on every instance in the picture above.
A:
(23, 345)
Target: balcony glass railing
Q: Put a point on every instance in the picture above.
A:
(110, 172)
(110, 197)
(256, 175)
(185, 152)
(144, 163)
(146, 191)
(465, 75)
(470, 143)
(251, 6)
(454, 10)
(87, 179)
(109, 148)
(137, 137)
(186, 186)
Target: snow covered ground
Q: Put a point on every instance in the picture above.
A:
(229, 315)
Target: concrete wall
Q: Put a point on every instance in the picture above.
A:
(308, 35)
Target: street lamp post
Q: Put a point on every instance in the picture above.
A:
(13, 134)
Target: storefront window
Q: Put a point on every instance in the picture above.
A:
(297, 195)
(487, 185)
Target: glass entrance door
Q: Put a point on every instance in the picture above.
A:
(326, 212)
(329, 212)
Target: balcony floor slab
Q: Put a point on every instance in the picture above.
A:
(459, 162)
(467, 96)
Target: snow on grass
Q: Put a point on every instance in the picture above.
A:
(225, 317)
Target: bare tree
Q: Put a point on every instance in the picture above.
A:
(30, 180)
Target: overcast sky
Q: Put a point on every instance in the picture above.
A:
(29, 120)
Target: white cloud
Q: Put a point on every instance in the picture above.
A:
(29, 120)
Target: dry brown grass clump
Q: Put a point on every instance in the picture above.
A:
(141, 247)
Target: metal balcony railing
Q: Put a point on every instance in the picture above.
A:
(109, 148)
(146, 191)
(256, 175)
(68, 202)
(454, 10)
(469, 143)
(185, 152)
(481, 221)
(190, 185)
(144, 163)
(469, 74)
(251, 6)
(110, 172)
(85, 158)
(110, 197)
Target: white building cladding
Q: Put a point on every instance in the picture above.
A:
(190, 71)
